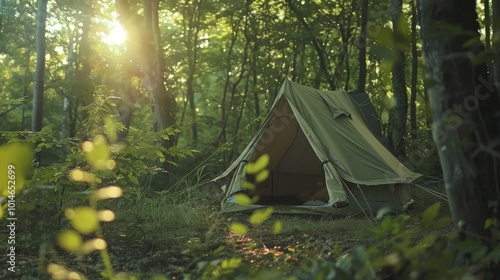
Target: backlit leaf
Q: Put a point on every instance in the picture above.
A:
(430, 214)
(70, 240)
(232, 263)
(260, 164)
(262, 176)
(243, 199)
(238, 228)
(260, 215)
(85, 219)
(277, 227)
(15, 162)
(97, 152)
(111, 129)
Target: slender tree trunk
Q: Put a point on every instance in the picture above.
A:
(85, 86)
(224, 108)
(193, 29)
(466, 125)
(487, 24)
(146, 45)
(69, 78)
(362, 47)
(400, 111)
(26, 86)
(317, 44)
(41, 16)
(414, 72)
(1, 18)
(126, 107)
(496, 43)
(347, 67)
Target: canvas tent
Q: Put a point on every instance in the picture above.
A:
(369, 111)
(323, 157)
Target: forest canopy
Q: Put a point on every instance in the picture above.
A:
(151, 99)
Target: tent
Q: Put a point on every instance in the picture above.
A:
(369, 111)
(324, 158)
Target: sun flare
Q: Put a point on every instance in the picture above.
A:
(116, 35)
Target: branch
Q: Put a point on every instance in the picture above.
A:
(318, 45)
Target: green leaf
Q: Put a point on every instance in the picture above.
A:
(262, 176)
(15, 162)
(70, 240)
(238, 228)
(242, 199)
(219, 250)
(97, 152)
(430, 214)
(232, 263)
(260, 164)
(260, 215)
(84, 219)
(381, 213)
(488, 223)
(111, 129)
(277, 227)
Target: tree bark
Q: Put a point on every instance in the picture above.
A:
(1, 18)
(496, 43)
(317, 44)
(465, 120)
(192, 56)
(145, 45)
(362, 47)
(414, 73)
(41, 17)
(399, 113)
(226, 108)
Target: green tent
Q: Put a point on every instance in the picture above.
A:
(323, 158)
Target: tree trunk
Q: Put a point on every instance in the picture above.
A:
(145, 44)
(317, 44)
(414, 72)
(126, 107)
(41, 16)
(225, 108)
(400, 111)
(487, 25)
(1, 18)
(69, 77)
(362, 47)
(192, 56)
(466, 124)
(496, 44)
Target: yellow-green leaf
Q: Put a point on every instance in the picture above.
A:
(15, 165)
(85, 219)
(261, 163)
(97, 152)
(243, 199)
(70, 240)
(262, 176)
(232, 263)
(111, 129)
(384, 117)
(249, 186)
(238, 228)
(260, 215)
(277, 227)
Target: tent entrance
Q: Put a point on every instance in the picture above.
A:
(295, 170)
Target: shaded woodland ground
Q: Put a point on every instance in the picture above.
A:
(168, 239)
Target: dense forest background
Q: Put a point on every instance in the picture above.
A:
(178, 88)
(219, 65)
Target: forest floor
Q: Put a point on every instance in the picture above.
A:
(190, 240)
